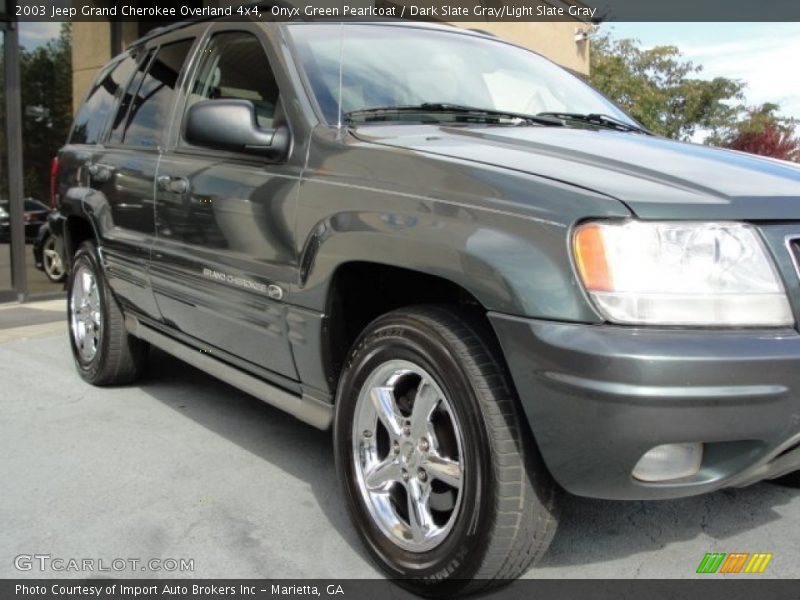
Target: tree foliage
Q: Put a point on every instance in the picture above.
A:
(661, 90)
(762, 131)
(46, 73)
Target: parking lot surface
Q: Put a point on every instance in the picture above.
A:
(182, 466)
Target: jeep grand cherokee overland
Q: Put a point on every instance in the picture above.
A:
(489, 281)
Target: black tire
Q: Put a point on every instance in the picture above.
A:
(119, 357)
(509, 505)
(789, 480)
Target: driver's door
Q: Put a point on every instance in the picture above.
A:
(224, 254)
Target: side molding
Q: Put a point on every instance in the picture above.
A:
(305, 408)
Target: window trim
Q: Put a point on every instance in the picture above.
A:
(146, 58)
(195, 34)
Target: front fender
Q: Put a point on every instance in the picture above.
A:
(520, 266)
(500, 234)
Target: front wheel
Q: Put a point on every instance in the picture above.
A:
(441, 476)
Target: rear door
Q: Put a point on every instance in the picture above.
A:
(224, 256)
(122, 172)
(80, 164)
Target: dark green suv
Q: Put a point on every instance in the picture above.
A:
(488, 280)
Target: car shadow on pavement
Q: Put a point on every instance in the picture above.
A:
(598, 531)
(591, 531)
(296, 448)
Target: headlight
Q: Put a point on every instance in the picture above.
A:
(671, 273)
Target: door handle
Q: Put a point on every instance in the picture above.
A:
(174, 185)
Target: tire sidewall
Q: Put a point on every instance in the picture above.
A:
(87, 256)
(397, 337)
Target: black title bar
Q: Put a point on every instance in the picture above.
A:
(706, 588)
(587, 11)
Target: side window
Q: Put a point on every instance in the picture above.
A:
(126, 99)
(234, 66)
(93, 115)
(150, 105)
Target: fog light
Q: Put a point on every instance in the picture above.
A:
(670, 461)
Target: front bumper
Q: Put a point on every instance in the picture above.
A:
(598, 397)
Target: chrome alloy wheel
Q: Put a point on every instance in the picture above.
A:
(86, 322)
(51, 259)
(408, 455)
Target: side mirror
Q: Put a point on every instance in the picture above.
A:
(231, 125)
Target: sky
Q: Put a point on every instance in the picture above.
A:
(32, 35)
(763, 55)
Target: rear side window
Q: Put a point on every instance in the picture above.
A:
(151, 104)
(93, 115)
(126, 99)
(235, 66)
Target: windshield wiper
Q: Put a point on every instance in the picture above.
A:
(597, 119)
(384, 113)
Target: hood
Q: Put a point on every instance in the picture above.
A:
(655, 177)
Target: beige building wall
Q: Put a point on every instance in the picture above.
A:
(555, 40)
(91, 49)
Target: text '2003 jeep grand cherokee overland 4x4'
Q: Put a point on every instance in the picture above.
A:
(488, 280)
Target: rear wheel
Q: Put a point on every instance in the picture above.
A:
(441, 475)
(104, 352)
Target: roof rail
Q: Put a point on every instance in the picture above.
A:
(268, 4)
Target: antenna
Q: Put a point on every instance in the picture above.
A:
(341, 60)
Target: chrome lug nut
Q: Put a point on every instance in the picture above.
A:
(422, 475)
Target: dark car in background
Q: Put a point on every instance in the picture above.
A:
(490, 282)
(34, 216)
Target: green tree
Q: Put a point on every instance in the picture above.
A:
(661, 90)
(46, 73)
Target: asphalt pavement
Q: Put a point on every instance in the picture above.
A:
(182, 466)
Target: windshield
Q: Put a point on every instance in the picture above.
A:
(386, 66)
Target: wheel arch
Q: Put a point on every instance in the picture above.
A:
(79, 224)
(493, 262)
(509, 263)
(350, 306)
(76, 231)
